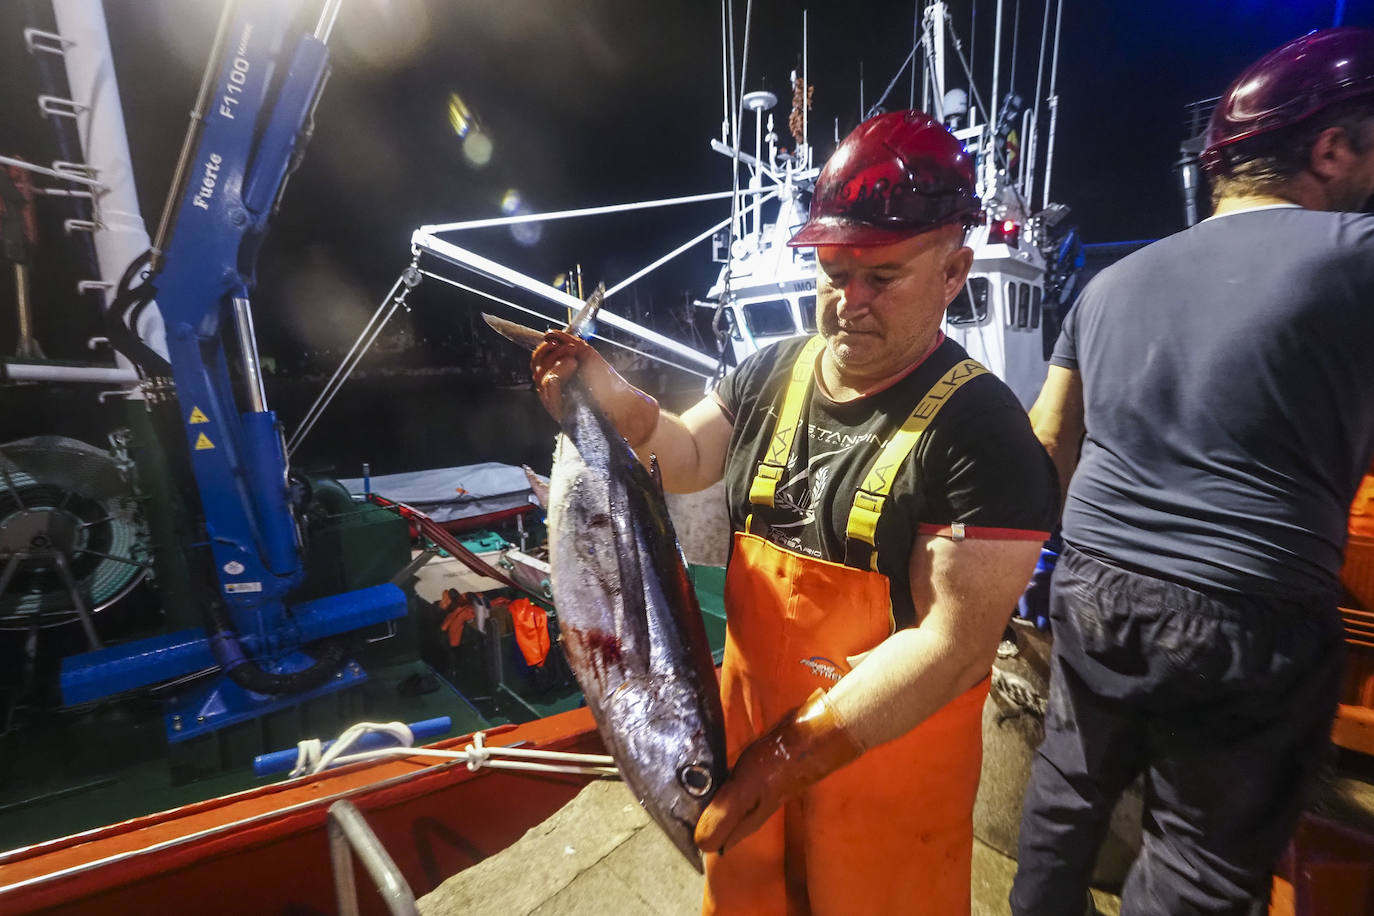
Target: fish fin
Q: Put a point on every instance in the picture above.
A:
(528, 338)
(655, 472)
(582, 321)
(538, 487)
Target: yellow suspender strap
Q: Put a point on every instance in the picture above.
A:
(877, 484)
(765, 484)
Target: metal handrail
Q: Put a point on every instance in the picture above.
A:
(348, 834)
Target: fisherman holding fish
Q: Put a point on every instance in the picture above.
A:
(888, 500)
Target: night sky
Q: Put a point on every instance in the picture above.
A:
(602, 101)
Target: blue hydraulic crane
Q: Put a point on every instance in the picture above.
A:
(256, 119)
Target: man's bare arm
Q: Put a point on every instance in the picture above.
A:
(967, 589)
(690, 448)
(1057, 418)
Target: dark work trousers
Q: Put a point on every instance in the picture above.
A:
(1225, 704)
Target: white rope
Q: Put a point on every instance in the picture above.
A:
(310, 760)
(478, 754)
(307, 757)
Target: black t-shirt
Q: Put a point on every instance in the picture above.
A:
(1228, 378)
(977, 463)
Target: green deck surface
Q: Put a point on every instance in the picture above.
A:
(75, 772)
(709, 582)
(78, 769)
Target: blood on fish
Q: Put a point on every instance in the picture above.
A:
(607, 646)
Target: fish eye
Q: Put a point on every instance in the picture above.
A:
(696, 779)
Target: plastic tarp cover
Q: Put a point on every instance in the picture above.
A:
(449, 494)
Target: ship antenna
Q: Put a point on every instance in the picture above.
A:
(1033, 140)
(737, 114)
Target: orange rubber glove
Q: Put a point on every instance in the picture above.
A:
(633, 413)
(808, 744)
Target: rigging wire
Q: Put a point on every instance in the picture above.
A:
(725, 84)
(394, 299)
(877, 106)
(734, 86)
(973, 34)
(915, 42)
(998, 153)
(1033, 145)
(1053, 101)
(1015, 41)
(973, 87)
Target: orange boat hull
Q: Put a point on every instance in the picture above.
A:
(266, 850)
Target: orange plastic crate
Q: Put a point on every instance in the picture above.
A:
(1357, 575)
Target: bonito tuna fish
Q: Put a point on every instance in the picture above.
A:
(630, 624)
(631, 627)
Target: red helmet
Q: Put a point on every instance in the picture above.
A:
(894, 176)
(1288, 85)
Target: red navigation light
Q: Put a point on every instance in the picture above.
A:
(1005, 232)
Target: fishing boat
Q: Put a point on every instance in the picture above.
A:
(143, 710)
(1020, 284)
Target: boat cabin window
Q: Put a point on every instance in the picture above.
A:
(807, 306)
(970, 306)
(769, 318)
(1023, 306)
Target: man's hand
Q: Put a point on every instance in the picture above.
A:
(633, 413)
(806, 746)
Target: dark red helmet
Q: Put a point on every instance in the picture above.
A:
(1288, 85)
(894, 176)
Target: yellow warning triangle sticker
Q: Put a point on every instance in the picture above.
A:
(203, 442)
(197, 416)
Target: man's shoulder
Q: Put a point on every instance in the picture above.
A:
(758, 373)
(1295, 235)
(984, 391)
(1355, 234)
(1295, 229)
(781, 353)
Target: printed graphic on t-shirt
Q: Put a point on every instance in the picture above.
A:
(807, 482)
(978, 463)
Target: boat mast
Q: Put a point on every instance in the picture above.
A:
(1033, 135)
(996, 66)
(936, 58)
(726, 61)
(1053, 102)
(806, 136)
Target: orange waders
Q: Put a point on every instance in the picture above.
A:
(893, 831)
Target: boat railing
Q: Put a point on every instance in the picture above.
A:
(349, 834)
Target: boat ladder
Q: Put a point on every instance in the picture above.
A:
(89, 188)
(349, 834)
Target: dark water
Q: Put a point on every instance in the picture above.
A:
(407, 423)
(395, 423)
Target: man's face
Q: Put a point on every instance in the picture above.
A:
(1351, 185)
(1356, 190)
(879, 308)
